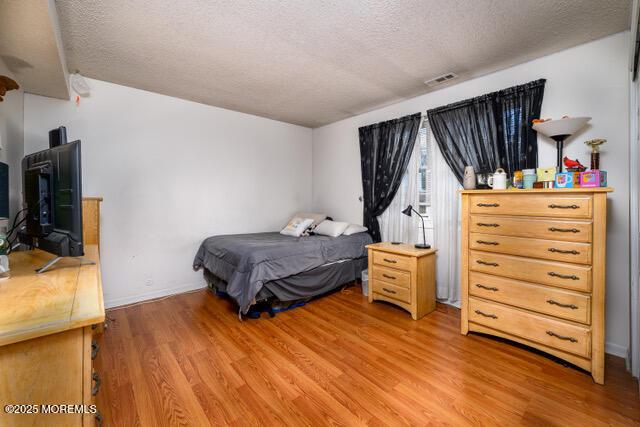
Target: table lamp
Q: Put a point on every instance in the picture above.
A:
(559, 131)
(422, 245)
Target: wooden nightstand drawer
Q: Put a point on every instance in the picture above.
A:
(556, 205)
(392, 291)
(401, 262)
(396, 277)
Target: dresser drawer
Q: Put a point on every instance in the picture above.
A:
(558, 205)
(541, 228)
(553, 333)
(389, 275)
(555, 302)
(536, 248)
(569, 276)
(392, 291)
(387, 259)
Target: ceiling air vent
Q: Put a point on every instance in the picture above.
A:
(440, 79)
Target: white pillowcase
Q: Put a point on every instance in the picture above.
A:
(296, 226)
(331, 228)
(353, 229)
(316, 217)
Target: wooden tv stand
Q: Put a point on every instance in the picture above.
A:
(46, 337)
(46, 334)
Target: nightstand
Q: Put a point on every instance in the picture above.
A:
(403, 275)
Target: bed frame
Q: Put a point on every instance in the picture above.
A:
(279, 295)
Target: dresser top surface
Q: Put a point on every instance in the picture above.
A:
(401, 249)
(66, 297)
(542, 190)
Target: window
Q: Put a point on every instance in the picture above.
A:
(512, 120)
(424, 173)
(414, 190)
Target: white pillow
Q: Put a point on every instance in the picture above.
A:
(296, 226)
(316, 217)
(353, 229)
(331, 228)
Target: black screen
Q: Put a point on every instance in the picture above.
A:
(62, 165)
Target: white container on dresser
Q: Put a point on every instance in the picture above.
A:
(533, 270)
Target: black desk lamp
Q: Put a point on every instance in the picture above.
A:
(424, 245)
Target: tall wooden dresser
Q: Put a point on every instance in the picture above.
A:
(533, 270)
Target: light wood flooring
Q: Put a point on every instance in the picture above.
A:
(188, 360)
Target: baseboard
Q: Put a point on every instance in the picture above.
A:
(616, 350)
(117, 302)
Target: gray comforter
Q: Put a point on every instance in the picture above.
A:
(247, 261)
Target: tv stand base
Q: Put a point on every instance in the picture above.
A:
(51, 263)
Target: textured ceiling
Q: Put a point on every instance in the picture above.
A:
(30, 46)
(314, 62)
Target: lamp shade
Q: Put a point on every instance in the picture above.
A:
(566, 127)
(408, 210)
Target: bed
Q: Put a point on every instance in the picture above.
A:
(254, 267)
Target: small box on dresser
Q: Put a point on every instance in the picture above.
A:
(533, 270)
(403, 275)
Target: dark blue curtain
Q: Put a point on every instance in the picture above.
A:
(385, 151)
(490, 131)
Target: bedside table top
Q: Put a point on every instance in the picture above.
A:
(402, 249)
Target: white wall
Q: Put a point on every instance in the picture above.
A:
(587, 80)
(173, 172)
(12, 140)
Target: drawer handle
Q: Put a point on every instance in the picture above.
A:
(391, 261)
(391, 291)
(484, 242)
(563, 276)
(95, 377)
(94, 349)
(493, 316)
(388, 277)
(98, 417)
(492, 264)
(489, 288)
(559, 304)
(554, 206)
(553, 334)
(488, 205)
(482, 224)
(564, 230)
(560, 251)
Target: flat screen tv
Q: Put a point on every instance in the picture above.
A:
(52, 190)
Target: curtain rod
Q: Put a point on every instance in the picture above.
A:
(502, 92)
(399, 119)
